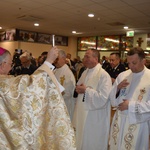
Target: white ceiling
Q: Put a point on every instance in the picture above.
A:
(60, 17)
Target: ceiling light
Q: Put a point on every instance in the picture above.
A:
(74, 32)
(146, 52)
(0, 27)
(125, 27)
(36, 24)
(90, 15)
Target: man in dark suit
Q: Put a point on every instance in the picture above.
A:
(105, 62)
(114, 69)
(115, 66)
(27, 67)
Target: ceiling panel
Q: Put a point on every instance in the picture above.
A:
(63, 16)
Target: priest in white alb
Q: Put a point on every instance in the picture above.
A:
(66, 78)
(92, 111)
(131, 96)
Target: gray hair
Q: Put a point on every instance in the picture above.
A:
(62, 53)
(26, 55)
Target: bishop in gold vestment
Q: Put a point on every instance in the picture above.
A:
(33, 114)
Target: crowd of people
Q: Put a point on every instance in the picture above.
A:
(59, 104)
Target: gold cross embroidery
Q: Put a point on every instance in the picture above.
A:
(62, 79)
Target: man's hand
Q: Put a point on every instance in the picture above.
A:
(80, 89)
(52, 55)
(124, 105)
(123, 84)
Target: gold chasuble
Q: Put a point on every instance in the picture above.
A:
(33, 115)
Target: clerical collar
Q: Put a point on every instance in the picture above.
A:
(62, 67)
(91, 69)
(139, 73)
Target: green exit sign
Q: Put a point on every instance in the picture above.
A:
(130, 33)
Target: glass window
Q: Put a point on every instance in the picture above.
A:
(108, 43)
(127, 42)
(85, 43)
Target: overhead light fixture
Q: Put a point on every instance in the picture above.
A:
(126, 27)
(74, 32)
(0, 27)
(146, 52)
(36, 24)
(91, 15)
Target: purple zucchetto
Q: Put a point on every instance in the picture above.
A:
(2, 51)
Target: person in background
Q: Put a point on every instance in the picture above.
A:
(41, 58)
(78, 66)
(92, 110)
(131, 96)
(27, 67)
(105, 62)
(16, 63)
(82, 69)
(66, 78)
(115, 67)
(125, 63)
(147, 64)
(33, 113)
(70, 61)
(39, 61)
(44, 55)
(33, 61)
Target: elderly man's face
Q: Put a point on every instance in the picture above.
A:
(25, 62)
(6, 65)
(89, 60)
(60, 61)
